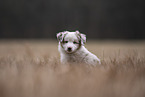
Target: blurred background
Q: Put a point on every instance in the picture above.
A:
(98, 19)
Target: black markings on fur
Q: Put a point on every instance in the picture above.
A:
(63, 38)
(79, 38)
(61, 43)
(60, 37)
(86, 54)
(85, 57)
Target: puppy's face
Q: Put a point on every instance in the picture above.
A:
(71, 41)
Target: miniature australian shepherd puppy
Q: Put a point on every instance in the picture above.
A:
(72, 49)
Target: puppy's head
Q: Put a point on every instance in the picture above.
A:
(71, 41)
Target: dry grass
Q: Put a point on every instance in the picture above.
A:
(32, 69)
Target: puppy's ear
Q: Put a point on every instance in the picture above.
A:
(60, 36)
(82, 37)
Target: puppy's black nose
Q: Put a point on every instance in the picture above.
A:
(69, 49)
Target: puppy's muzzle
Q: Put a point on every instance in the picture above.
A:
(69, 49)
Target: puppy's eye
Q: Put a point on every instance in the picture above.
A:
(75, 42)
(65, 42)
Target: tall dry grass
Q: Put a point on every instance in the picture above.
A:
(32, 69)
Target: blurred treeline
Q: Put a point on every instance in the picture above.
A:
(100, 19)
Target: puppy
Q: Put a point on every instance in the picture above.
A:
(72, 50)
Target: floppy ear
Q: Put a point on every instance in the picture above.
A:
(60, 36)
(82, 37)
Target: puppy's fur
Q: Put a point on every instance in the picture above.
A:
(72, 50)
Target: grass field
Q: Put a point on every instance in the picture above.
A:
(32, 69)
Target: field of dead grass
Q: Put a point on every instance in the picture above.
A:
(32, 69)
